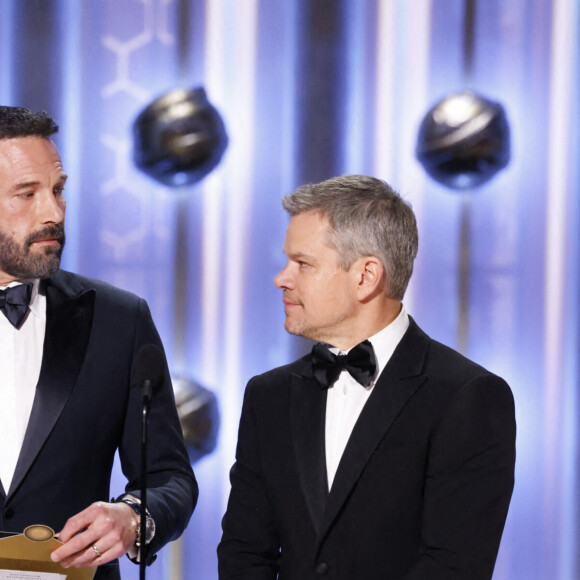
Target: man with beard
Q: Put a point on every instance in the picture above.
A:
(68, 398)
(381, 455)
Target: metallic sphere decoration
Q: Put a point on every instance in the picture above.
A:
(179, 138)
(198, 413)
(464, 140)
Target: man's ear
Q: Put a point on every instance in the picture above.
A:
(370, 277)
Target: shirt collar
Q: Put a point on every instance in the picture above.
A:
(38, 300)
(385, 341)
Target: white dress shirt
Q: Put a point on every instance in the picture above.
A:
(346, 398)
(20, 360)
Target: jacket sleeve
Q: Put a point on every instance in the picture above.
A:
(250, 545)
(171, 486)
(469, 482)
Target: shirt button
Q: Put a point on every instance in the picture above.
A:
(9, 513)
(322, 568)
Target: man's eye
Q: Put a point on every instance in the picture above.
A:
(59, 190)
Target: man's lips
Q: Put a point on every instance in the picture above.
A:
(47, 242)
(49, 236)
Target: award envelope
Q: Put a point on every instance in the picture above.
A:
(30, 552)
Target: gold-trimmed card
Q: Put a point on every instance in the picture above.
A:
(26, 556)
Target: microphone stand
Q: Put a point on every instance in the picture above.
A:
(146, 402)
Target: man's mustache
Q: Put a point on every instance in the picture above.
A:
(55, 232)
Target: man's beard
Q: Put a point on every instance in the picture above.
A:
(18, 261)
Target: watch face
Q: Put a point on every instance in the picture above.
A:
(149, 529)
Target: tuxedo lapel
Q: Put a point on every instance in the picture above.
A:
(397, 384)
(69, 315)
(307, 415)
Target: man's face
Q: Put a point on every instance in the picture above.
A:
(32, 208)
(320, 299)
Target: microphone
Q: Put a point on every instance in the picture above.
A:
(149, 367)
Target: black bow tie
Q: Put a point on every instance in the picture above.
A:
(14, 302)
(360, 362)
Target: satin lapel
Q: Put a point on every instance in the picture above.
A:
(69, 318)
(397, 384)
(307, 415)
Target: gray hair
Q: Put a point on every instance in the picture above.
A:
(367, 218)
(20, 122)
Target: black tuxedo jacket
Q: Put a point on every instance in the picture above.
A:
(421, 492)
(86, 407)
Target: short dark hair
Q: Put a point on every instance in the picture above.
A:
(21, 122)
(366, 218)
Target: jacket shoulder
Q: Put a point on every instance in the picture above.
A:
(445, 366)
(76, 284)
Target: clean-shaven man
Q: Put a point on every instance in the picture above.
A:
(381, 455)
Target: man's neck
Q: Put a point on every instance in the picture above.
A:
(367, 324)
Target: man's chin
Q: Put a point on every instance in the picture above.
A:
(50, 267)
(44, 268)
(292, 327)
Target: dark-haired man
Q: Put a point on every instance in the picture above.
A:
(382, 454)
(68, 398)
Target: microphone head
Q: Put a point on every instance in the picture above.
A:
(149, 366)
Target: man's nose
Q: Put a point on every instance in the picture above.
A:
(52, 208)
(283, 278)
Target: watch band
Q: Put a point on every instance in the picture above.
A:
(133, 504)
(149, 523)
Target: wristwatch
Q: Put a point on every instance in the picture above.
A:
(149, 521)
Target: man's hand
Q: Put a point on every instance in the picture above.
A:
(97, 535)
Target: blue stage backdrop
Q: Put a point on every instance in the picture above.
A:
(308, 90)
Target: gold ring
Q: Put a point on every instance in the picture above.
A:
(96, 550)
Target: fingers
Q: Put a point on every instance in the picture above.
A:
(90, 556)
(100, 552)
(97, 535)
